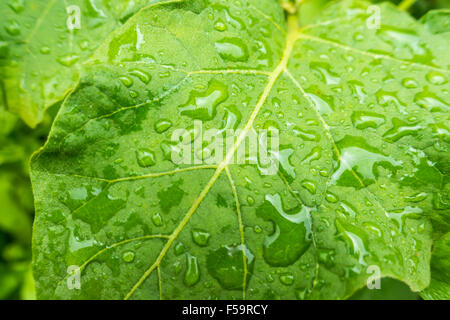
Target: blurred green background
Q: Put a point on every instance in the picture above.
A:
(18, 142)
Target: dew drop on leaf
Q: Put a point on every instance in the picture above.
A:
(290, 238)
(145, 157)
(192, 274)
(200, 237)
(287, 279)
(128, 256)
(232, 49)
(162, 125)
(157, 219)
(202, 105)
(226, 265)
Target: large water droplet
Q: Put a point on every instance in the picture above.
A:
(388, 98)
(365, 119)
(226, 265)
(192, 274)
(13, 28)
(399, 216)
(162, 125)
(305, 134)
(401, 129)
(232, 49)
(141, 75)
(355, 238)
(321, 105)
(145, 157)
(157, 219)
(315, 154)
(290, 238)
(323, 71)
(430, 101)
(358, 163)
(68, 60)
(202, 105)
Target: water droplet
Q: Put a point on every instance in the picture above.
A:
(358, 90)
(141, 75)
(283, 156)
(157, 219)
(257, 229)
(68, 60)
(232, 118)
(226, 265)
(133, 94)
(179, 248)
(127, 81)
(128, 256)
(220, 25)
(290, 238)
(323, 71)
(399, 216)
(364, 119)
(192, 274)
(287, 279)
(326, 257)
(401, 129)
(308, 135)
(373, 228)
(200, 237)
(346, 209)
(388, 98)
(202, 105)
(358, 162)
(302, 294)
(404, 38)
(45, 50)
(162, 125)
(417, 197)
(321, 105)
(16, 5)
(410, 83)
(355, 238)
(145, 157)
(436, 78)
(232, 49)
(310, 186)
(13, 28)
(331, 197)
(430, 101)
(315, 154)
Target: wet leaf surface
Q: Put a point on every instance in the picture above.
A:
(363, 178)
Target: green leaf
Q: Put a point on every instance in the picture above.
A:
(390, 289)
(437, 21)
(439, 288)
(42, 46)
(362, 115)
